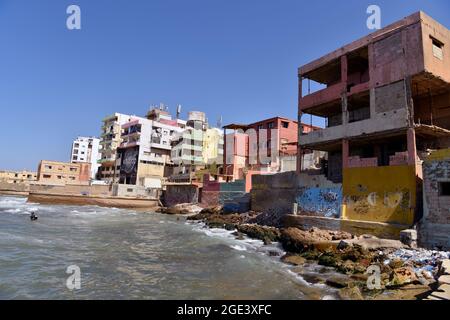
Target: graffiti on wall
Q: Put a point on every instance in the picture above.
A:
(324, 202)
(380, 194)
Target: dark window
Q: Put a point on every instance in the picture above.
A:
(438, 49)
(285, 124)
(444, 189)
(270, 125)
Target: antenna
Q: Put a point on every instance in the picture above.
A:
(178, 111)
(219, 122)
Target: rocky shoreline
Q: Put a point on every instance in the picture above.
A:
(404, 273)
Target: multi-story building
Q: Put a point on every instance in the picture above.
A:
(110, 141)
(144, 153)
(267, 146)
(86, 150)
(196, 148)
(62, 173)
(19, 177)
(386, 102)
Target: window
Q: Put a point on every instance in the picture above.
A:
(261, 126)
(59, 177)
(73, 169)
(48, 167)
(47, 176)
(77, 145)
(75, 151)
(444, 189)
(270, 125)
(285, 124)
(438, 49)
(75, 158)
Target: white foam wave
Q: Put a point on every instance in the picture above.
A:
(238, 247)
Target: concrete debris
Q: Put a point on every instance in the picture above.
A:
(425, 263)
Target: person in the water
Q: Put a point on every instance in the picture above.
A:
(33, 217)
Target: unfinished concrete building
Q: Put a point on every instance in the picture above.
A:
(386, 102)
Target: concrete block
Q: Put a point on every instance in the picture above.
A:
(445, 279)
(441, 295)
(409, 237)
(445, 267)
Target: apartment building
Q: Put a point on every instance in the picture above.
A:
(144, 153)
(18, 177)
(86, 150)
(266, 146)
(386, 102)
(195, 149)
(63, 173)
(110, 141)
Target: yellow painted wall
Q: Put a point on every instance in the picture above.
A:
(380, 194)
(439, 155)
(211, 140)
(150, 170)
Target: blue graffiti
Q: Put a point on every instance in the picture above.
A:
(321, 201)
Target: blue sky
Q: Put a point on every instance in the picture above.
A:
(233, 58)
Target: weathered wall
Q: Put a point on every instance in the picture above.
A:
(380, 194)
(431, 28)
(314, 194)
(133, 191)
(434, 229)
(390, 97)
(320, 201)
(96, 190)
(177, 194)
(232, 196)
(397, 56)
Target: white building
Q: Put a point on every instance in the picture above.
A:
(110, 141)
(144, 153)
(86, 150)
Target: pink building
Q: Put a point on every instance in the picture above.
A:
(249, 148)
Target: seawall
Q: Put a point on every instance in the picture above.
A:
(110, 202)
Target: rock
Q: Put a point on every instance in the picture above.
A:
(310, 255)
(445, 267)
(239, 235)
(266, 234)
(329, 260)
(212, 210)
(295, 260)
(296, 240)
(338, 282)
(409, 237)
(445, 279)
(343, 245)
(402, 276)
(441, 295)
(396, 263)
(352, 293)
(184, 208)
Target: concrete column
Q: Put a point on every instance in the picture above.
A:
(299, 148)
(344, 70)
(344, 103)
(345, 153)
(299, 127)
(412, 148)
